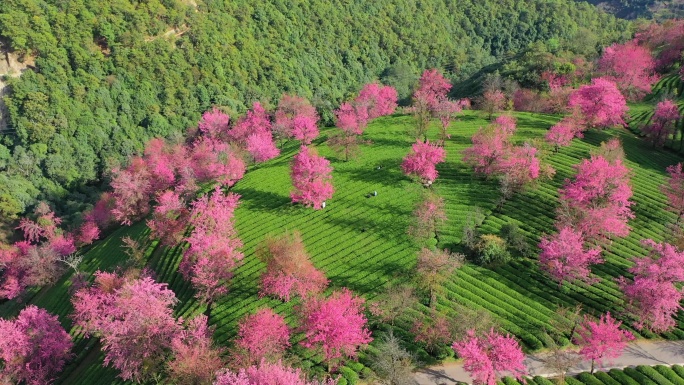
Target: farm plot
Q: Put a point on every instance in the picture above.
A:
(361, 243)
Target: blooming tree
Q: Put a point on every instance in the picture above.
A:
(253, 132)
(213, 160)
(132, 317)
(433, 268)
(600, 102)
(195, 359)
(663, 124)
(492, 102)
(674, 190)
(653, 299)
(267, 374)
(380, 100)
(429, 96)
(289, 108)
(262, 337)
(421, 161)
(214, 124)
(33, 347)
(214, 245)
(311, 178)
(434, 331)
(518, 168)
(565, 258)
(630, 66)
(352, 118)
(335, 325)
(446, 112)
(562, 133)
(596, 202)
(490, 145)
(289, 270)
(169, 219)
(429, 216)
(36, 260)
(486, 357)
(601, 340)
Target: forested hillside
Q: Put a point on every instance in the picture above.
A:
(109, 75)
(632, 9)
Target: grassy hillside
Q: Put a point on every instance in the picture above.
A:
(360, 242)
(109, 76)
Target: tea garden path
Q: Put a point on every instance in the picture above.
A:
(641, 352)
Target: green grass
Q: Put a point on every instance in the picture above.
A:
(361, 243)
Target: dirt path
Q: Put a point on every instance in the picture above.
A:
(641, 352)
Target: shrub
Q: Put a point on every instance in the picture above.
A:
(606, 379)
(515, 239)
(491, 250)
(349, 374)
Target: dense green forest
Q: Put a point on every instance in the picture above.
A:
(632, 9)
(109, 75)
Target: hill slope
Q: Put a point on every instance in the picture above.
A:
(110, 75)
(360, 242)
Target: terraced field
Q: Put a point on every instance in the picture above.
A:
(640, 114)
(640, 375)
(360, 242)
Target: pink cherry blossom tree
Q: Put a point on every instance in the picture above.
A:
(352, 119)
(601, 340)
(169, 219)
(380, 100)
(214, 124)
(630, 66)
(663, 123)
(255, 120)
(446, 112)
(312, 179)
(519, 167)
(195, 359)
(565, 258)
(267, 374)
(492, 102)
(87, 233)
(562, 133)
(289, 270)
(101, 213)
(653, 299)
(33, 347)
(336, 326)
(485, 358)
(38, 259)
(421, 161)
(214, 246)
(262, 337)
(596, 202)
(674, 190)
(434, 331)
(213, 160)
(131, 192)
(490, 145)
(133, 319)
(428, 218)
(600, 102)
(429, 96)
(253, 132)
(292, 107)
